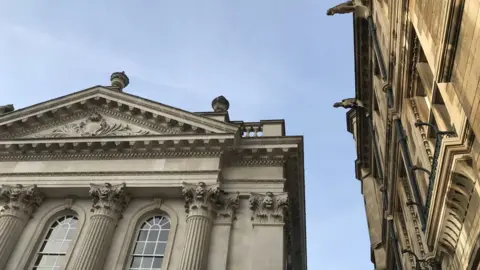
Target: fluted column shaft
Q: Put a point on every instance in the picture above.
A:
(196, 243)
(199, 202)
(11, 227)
(99, 236)
(109, 203)
(21, 203)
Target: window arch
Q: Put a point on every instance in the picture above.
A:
(56, 243)
(150, 243)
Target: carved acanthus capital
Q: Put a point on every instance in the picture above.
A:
(108, 199)
(269, 207)
(227, 206)
(200, 199)
(21, 200)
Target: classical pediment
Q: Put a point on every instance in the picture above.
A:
(100, 111)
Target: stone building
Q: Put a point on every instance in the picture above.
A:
(415, 117)
(103, 179)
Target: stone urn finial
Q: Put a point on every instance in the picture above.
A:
(119, 80)
(220, 104)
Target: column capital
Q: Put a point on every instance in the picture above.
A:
(22, 201)
(268, 208)
(108, 199)
(200, 199)
(227, 206)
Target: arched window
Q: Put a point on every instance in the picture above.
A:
(56, 243)
(150, 243)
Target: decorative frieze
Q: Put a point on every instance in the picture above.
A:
(95, 125)
(268, 208)
(108, 199)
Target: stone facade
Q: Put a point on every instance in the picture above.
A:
(102, 179)
(415, 123)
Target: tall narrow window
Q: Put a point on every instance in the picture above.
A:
(56, 243)
(150, 244)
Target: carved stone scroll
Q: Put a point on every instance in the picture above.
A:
(21, 200)
(268, 208)
(227, 207)
(200, 199)
(109, 200)
(21, 203)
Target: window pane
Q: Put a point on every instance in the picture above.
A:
(56, 243)
(150, 244)
(153, 235)
(157, 262)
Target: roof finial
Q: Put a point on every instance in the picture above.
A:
(119, 80)
(220, 104)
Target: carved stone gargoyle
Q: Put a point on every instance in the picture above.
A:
(348, 7)
(349, 103)
(7, 108)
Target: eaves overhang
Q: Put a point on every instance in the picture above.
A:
(363, 91)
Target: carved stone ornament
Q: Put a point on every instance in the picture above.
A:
(343, 8)
(349, 103)
(21, 200)
(200, 199)
(268, 208)
(109, 200)
(94, 126)
(227, 207)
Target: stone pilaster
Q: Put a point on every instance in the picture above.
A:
(200, 203)
(21, 203)
(108, 204)
(222, 227)
(269, 215)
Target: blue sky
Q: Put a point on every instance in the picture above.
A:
(272, 59)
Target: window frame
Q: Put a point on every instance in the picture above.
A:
(134, 240)
(137, 214)
(41, 227)
(56, 218)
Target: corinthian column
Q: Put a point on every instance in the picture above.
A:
(21, 203)
(200, 201)
(108, 204)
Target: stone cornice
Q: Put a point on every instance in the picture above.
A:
(106, 98)
(116, 147)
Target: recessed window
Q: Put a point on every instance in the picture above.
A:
(150, 244)
(56, 244)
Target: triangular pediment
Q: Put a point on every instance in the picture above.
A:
(101, 111)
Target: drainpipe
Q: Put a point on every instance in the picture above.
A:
(409, 169)
(396, 252)
(376, 155)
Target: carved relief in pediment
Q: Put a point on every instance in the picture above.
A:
(95, 125)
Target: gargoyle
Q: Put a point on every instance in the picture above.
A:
(6, 108)
(349, 103)
(343, 8)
